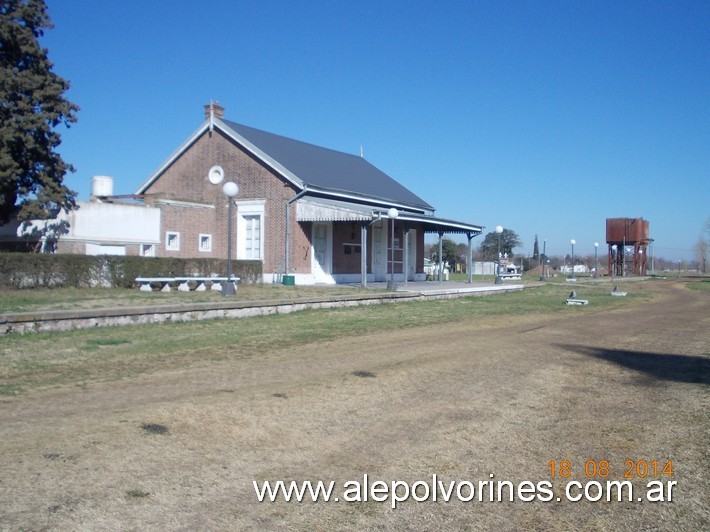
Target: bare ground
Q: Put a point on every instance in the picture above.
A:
(462, 401)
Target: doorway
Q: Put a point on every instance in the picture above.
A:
(322, 258)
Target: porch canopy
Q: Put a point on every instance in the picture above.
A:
(327, 210)
(309, 209)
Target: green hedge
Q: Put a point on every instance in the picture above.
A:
(32, 270)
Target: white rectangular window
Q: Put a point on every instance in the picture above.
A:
(250, 229)
(172, 241)
(205, 242)
(252, 243)
(147, 250)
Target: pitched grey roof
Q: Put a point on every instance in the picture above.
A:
(329, 171)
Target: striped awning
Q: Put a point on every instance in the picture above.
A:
(322, 210)
(326, 210)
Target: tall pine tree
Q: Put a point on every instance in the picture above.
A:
(32, 105)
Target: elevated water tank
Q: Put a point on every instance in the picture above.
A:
(628, 230)
(101, 186)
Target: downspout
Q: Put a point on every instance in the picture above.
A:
(288, 227)
(363, 255)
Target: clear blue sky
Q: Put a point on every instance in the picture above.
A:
(544, 117)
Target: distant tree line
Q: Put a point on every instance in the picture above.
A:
(487, 251)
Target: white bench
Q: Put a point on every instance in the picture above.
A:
(511, 276)
(616, 292)
(183, 284)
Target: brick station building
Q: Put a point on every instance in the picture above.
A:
(316, 214)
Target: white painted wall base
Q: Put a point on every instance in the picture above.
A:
(307, 279)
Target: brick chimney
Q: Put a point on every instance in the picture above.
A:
(216, 107)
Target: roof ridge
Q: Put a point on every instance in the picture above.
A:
(291, 139)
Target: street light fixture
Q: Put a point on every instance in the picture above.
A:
(571, 275)
(596, 262)
(230, 189)
(393, 214)
(614, 247)
(499, 279)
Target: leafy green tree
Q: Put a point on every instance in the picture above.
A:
(508, 240)
(449, 250)
(32, 105)
(461, 252)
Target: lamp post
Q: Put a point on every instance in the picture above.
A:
(230, 189)
(393, 214)
(499, 279)
(614, 247)
(596, 262)
(543, 259)
(571, 275)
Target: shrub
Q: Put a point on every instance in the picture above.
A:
(32, 270)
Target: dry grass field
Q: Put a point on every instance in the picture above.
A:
(177, 443)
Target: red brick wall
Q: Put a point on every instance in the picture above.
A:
(346, 233)
(186, 180)
(190, 222)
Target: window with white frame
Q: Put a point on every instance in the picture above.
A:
(148, 250)
(252, 237)
(205, 242)
(250, 229)
(172, 241)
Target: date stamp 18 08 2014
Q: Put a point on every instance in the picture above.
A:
(603, 469)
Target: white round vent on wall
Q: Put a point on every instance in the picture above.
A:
(215, 175)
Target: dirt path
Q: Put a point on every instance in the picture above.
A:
(459, 401)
